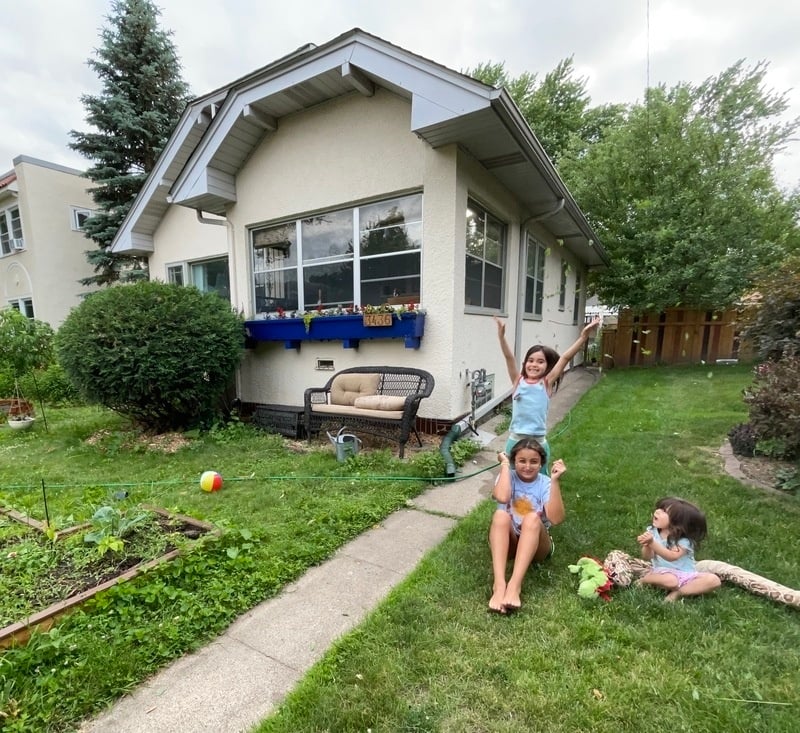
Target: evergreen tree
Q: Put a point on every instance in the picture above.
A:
(142, 98)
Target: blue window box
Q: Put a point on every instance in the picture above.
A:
(348, 329)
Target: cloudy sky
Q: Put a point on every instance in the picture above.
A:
(616, 44)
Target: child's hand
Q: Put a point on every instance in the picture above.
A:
(501, 327)
(503, 458)
(645, 538)
(557, 468)
(589, 327)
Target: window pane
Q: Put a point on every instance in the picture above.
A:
(493, 288)
(494, 252)
(16, 224)
(390, 277)
(275, 247)
(212, 277)
(175, 274)
(276, 290)
(530, 289)
(387, 213)
(474, 277)
(328, 236)
(391, 239)
(328, 285)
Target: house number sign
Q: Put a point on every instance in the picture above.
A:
(377, 319)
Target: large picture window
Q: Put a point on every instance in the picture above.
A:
(366, 255)
(535, 256)
(486, 252)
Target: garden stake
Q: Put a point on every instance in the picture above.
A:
(46, 513)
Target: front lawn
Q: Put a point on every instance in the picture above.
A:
(431, 658)
(283, 508)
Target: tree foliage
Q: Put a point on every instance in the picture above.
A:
(159, 353)
(142, 98)
(556, 108)
(770, 317)
(683, 196)
(25, 343)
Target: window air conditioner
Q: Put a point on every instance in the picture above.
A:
(18, 243)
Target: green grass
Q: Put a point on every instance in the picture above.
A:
(282, 511)
(431, 658)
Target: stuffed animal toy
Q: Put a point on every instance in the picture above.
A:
(623, 569)
(594, 581)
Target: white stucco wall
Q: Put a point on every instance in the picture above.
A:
(48, 270)
(337, 155)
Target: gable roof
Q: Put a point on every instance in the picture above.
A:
(217, 133)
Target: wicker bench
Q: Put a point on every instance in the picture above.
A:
(380, 399)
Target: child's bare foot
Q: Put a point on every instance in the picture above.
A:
(673, 596)
(496, 601)
(512, 601)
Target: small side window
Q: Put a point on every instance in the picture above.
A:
(79, 217)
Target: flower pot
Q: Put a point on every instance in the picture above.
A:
(20, 423)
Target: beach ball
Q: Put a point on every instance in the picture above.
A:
(210, 481)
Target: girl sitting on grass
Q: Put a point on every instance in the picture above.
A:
(529, 503)
(670, 543)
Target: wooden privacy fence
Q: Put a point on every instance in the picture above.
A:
(674, 336)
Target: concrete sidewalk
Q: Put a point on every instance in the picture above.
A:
(240, 677)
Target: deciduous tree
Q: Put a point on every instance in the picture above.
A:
(683, 193)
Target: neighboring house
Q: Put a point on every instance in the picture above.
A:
(359, 172)
(42, 249)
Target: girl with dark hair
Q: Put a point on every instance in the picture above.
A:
(534, 384)
(670, 542)
(528, 504)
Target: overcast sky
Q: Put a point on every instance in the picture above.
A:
(44, 46)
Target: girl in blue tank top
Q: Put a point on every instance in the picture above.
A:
(534, 384)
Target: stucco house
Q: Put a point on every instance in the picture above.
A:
(359, 173)
(42, 246)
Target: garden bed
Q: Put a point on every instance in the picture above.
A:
(43, 578)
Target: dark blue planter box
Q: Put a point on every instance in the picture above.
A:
(347, 329)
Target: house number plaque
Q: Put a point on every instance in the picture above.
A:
(377, 319)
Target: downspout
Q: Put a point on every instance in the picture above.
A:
(232, 260)
(468, 423)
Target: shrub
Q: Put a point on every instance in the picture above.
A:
(771, 323)
(774, 402)
(743, 439)
(158, 353)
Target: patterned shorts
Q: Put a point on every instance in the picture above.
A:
(683, 576)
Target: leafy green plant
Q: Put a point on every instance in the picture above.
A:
(111, 526)
(774, 403)
(788, 480)
(158, 353)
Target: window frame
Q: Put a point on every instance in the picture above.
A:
(13, 229)
(75, 213)
(23, 305)
(285, 254)
(535, 274)
(562, 286)
(486, 221)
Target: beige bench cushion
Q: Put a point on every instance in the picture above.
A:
(345, 410)
(380, 402)
(347, 387)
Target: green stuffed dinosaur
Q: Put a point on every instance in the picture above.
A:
(594, 581)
